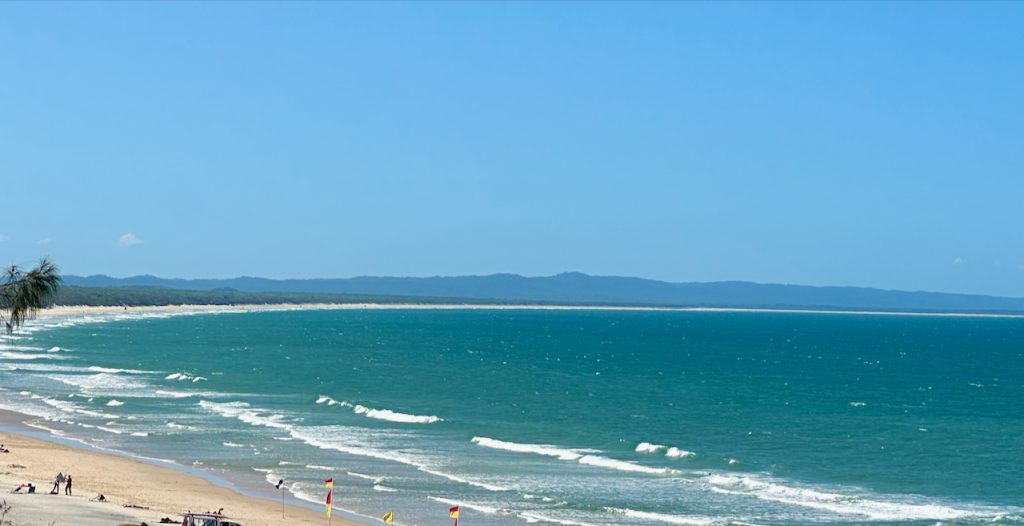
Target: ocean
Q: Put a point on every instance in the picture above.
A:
(555, 417)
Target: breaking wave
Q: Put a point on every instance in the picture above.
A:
(871, 508)
(578, 455)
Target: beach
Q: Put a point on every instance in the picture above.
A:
(165, 491)
(415, 408)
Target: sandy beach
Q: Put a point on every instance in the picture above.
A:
(165, 491)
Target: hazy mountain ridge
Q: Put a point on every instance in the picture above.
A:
(574, 287)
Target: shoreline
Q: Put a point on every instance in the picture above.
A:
(89, 310)
(165, 490)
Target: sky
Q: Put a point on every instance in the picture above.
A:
(870, 144)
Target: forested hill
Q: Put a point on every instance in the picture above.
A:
(576, 288)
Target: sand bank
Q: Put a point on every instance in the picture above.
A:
(164, 490)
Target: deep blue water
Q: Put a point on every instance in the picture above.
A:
(559, 417)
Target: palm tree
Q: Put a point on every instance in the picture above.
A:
(24, 293)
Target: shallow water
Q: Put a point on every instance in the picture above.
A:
(560, 417)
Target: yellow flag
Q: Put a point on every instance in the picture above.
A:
(388, 517)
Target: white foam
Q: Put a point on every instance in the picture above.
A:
(140, 434)
(468, 505)
(394, 416)
(872, 508)
(379, 487)
(538, 449)
(99, 383)
(532, 517)
(361, 476)
(858, 404)
(115, 403)
(647, 447)
(664, 517)
(232, 444)
(463, 480)
(571, 455)
(99, 369)
(70, 407)
(184, 377)
(321, 468)
(674, 452)
(622, 465)
(246, 413)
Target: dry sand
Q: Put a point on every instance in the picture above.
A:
(164, 490)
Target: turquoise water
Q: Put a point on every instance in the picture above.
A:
(557, 417)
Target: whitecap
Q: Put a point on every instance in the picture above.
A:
(115, 403)
(647, 447)
(394, 416)
(674, 452)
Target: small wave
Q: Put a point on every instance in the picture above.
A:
(321, 468)
(323, 399)
(56, 349)
(393, 416)
(232, 444)
(871, 508)
(175, 425)
(571, 455)
(858, 404)
(140, 434)
(379, 414)
(379, 487)
(469, 506)
(70, 407)
(647, 447)
(23, 356)
(538, 449)
(111, 370)
(456, 478)
(98, 383)
(362, 476)
(185, 377)
(664, 517)
(246, 413)
(533, 517)
(622, 465)
(674, 452)
(115, 403)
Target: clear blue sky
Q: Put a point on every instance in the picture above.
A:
(819, 143)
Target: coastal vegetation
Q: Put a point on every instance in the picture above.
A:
(160, 296)
(22, 293)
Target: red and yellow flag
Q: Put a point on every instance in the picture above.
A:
(453, 512)
(329, 484)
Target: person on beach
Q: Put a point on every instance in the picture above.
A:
(3, 449)
(67, 486)
(57, 481)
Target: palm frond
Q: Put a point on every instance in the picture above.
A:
(22, 294)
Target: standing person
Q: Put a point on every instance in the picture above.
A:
(67, 485)
(57, 481)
